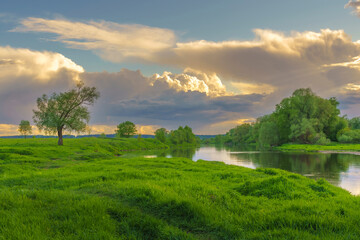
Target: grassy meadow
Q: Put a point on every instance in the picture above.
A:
(84, 190)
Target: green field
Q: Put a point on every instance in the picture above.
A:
(83, 190)
(315, 148)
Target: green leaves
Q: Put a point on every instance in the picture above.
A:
(126, 129)
(65, 111)
(25, 128)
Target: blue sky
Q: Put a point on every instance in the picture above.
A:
(209, 64)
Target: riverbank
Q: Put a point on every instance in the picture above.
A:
(83, 191)
(334, 147)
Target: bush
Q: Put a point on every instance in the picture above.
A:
(345, 139)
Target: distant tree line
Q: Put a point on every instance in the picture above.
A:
(303, 117)
(181, 136)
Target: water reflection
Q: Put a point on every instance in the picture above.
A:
(339, 169)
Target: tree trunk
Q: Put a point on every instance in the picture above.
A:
(60, 135)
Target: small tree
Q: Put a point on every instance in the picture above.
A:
(126, 129)
(161, 134)
(65, 111)
(25, 128)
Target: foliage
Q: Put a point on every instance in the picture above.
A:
(25, 128)
(183, 135)
(84, 191)
(161, 134)
(268, 134)
(65, 111)
(126, 130)
(303, 117)
(318, 147)
(354, 123)
(349, 136)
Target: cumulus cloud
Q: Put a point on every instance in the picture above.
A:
(192, 80)
(222, 81)
(112, 41)
(275, 59)
(167, 100)
(271, 58)
(26, 75)
(34, 64)
(128, 95)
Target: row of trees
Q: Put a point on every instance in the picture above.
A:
(69, 111)
(303, 117)
(183, 135)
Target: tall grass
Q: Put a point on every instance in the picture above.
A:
(84, 191)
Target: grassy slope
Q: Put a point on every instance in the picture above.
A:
(310, 147)
(81, 191)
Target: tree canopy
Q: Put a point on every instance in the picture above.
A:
(161, 134)
(126, 129)
(303, 117)
(65, 111)
(25, 128)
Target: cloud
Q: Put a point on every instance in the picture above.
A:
(168, 100)
(275, 59)
(271, 58)
(355, 5)
(128, 95)
(222, 81)
(26, 75)
(112, 41)
(193, 80)
(34, 64)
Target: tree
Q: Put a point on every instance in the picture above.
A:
(354, 123)
(304, 104)
(303, 132)
(65, 111)
(268, 134)
(126, 129)
(25, 128)
(161, 134)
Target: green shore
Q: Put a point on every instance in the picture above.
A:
(348, 147)
(83, 190)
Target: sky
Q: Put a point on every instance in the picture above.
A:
(211, 65)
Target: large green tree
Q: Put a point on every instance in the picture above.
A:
(304, 104)
(126, 129)
(65, 111)
(25, 128)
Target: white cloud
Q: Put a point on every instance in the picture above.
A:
(263, 70)
(26, 75)
(192, 80)
(112, 41)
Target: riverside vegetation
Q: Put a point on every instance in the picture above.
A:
(302, 118)
(82, 190)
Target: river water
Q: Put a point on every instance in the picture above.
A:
(341, 170)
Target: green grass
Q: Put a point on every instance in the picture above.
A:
(82, 191)
(314, 148)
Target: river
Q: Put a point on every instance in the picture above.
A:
(341, 170)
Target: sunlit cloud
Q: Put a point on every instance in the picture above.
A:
(221, 82)
(224, 126)
(112, 41)
(355, 5)
(192, 80)
(16, 62)
(248, 88)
